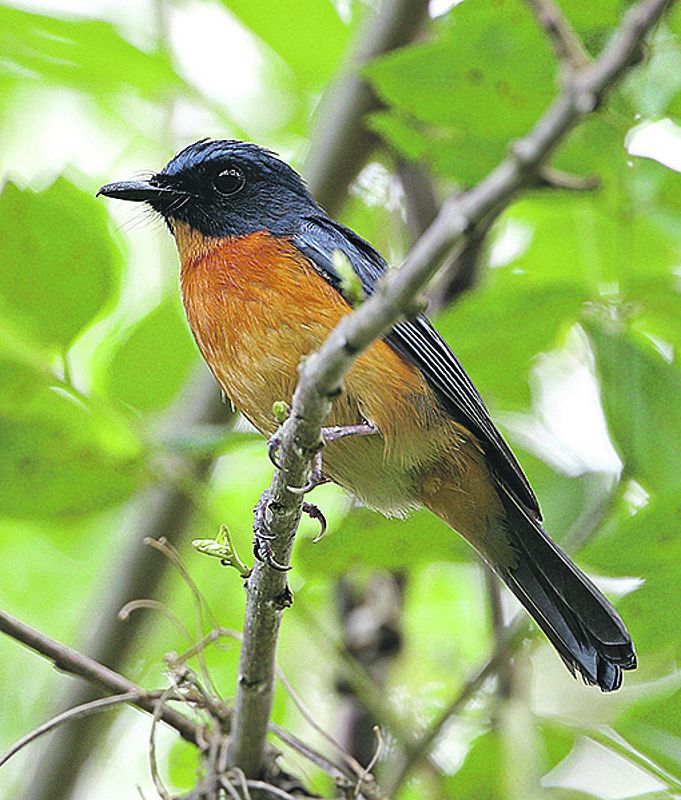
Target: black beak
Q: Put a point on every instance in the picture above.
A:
(137, 191)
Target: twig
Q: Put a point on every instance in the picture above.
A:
(566, 44)
(352, 763)
(84, 710)
(154, 605)
(321, 375)
(366, 772)
(268, 788)
(69, 660)
(133, 572)
(515, 635)
(504, 676)
(231, 791)
(338, 773)
(421, 202)
(553, 178)
(158, 783)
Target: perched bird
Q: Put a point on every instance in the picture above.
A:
(261, 290)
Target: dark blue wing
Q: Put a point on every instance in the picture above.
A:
(419, 343)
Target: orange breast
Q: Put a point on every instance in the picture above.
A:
(256, 307)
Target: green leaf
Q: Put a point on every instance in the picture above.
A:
(557, 741)
(183, 765)
(150, 365)
(653, 726)
(645, 545)
(475, 780)
(307, 34)
(20, 382)
(587, 17)
(592, 240)
(486, 770)
(368, 540)
(471, 91)
(85, 54)
(642, 401)
(515, 321)
(64, 456)
(656, 311)
(60, 265)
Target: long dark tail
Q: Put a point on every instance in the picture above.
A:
(579, 621)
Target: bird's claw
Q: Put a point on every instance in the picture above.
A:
(262, 549)
(273, 445)
(314, 512)
(315, 478)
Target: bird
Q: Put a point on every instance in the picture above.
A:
(262, 289)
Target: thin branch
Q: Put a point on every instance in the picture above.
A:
(553, 178)
(566, 44)
(504, 673)
(84, 710)
(421, 202)
(271, 790)
(515, 635)
(351, 762)
(338, 773)
(321, 375)
(75, 663)
(156, 777)
(461, 267)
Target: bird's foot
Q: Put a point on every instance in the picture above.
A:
(262, 547)
(262, 541)
(328, 435)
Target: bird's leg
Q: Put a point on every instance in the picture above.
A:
(328, 435)
(262, 549)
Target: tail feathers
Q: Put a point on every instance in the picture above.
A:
(578, 620)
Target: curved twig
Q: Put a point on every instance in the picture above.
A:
(84, 710)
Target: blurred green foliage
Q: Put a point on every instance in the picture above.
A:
(97, 367)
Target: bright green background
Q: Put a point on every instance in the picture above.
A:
(97, 369)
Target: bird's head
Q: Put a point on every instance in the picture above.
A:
(223, 188)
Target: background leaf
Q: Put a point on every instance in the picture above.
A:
(642, 402)
(432, 88)
(62, 456)
(60, 265)
(149, 367)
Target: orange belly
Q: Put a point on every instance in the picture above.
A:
(256, 308)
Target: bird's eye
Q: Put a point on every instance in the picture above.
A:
(229, 181)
